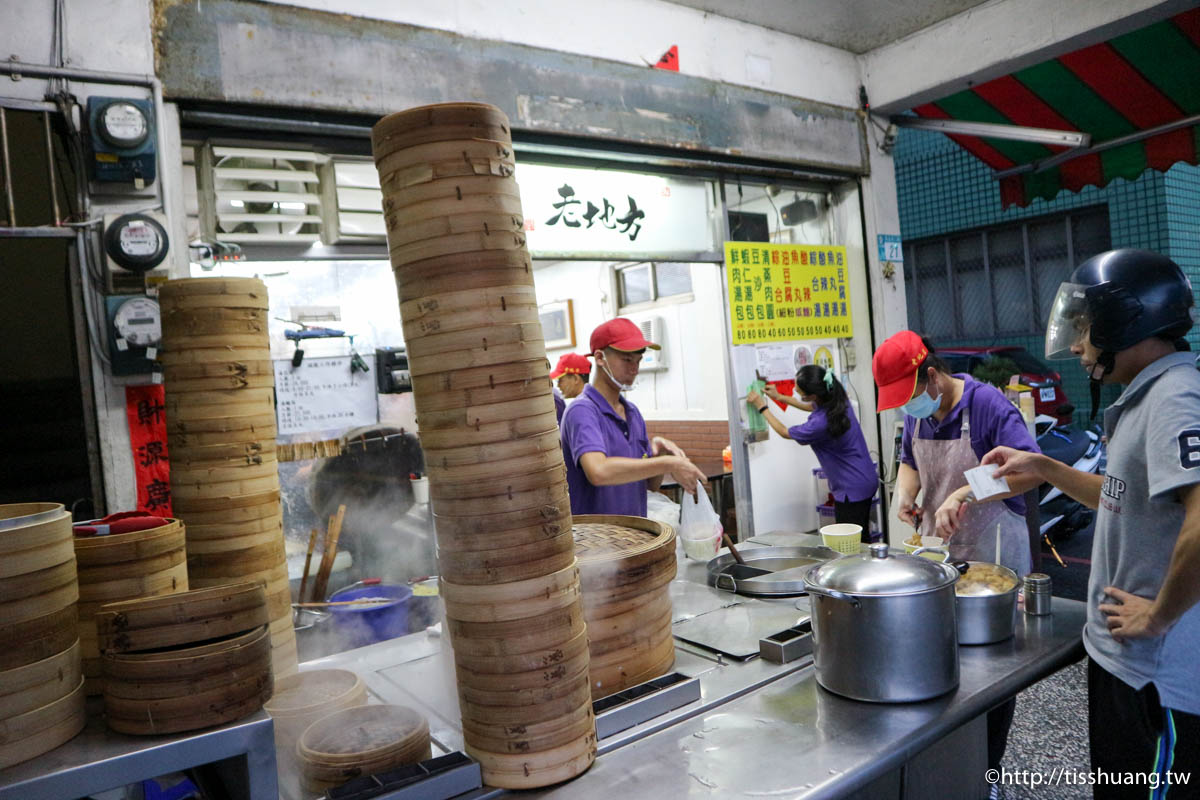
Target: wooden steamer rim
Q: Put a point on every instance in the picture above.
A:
(491, 433)
(34, 685)
(464, 151)
(134, 568)
(580, 694)
(181, 663)
(537, 634)
(504, 612)
(231, 368)
(24, 526)
(23, 643)
(232, 508)
(450, 229)
(532, 679)
(546, 657)
(294, 694)
(548, 727)
(607, 539)
(452, 457)
(43, 729)
(488, 377)
(523, 475)
(183, 356)
(115, 548)
(188, 287)
(35, 559)
(534, 770)
(558, 512)
(531, 742)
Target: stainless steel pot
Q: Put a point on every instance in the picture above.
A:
(989, 616)
(884, 626)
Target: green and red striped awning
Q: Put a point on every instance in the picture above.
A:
(1136, 82)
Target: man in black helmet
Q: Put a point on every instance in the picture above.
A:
(1124, 315)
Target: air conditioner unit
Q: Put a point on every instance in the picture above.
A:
(652, 330)
(259, 196)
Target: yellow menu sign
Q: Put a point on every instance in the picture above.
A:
(783, 292)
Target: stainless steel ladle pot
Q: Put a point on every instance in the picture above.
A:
(884, 627)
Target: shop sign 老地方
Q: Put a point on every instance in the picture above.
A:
(780, 293)
(626, 214)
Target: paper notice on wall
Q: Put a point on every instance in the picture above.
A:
(323, 394)
(775, 361)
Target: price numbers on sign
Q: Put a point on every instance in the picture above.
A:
(786, 292)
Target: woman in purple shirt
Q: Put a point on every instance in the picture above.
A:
(833, 432)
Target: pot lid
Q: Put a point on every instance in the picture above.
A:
(879, 572)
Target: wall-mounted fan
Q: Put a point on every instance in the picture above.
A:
(266, 196)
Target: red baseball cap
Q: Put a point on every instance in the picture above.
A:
(571, 364)
(620, 334)
(895, 365)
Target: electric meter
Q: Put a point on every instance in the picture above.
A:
(134, 332)
(122, 124)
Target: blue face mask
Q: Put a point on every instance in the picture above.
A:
(922, 405)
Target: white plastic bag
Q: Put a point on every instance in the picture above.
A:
(661, 508)
(699, 526)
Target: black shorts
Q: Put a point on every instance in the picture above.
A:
(1139, 749)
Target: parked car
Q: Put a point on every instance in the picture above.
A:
(1049, 398)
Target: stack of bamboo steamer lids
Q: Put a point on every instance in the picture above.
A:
(485, 415)
(627, 565)
(124, 566)
(364, 740)
(41, 675)
(186, 661)
(220, 397)
(305, 697)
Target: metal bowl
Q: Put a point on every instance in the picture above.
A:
(768, 571)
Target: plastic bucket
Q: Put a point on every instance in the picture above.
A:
(366, 624)
(842, 537)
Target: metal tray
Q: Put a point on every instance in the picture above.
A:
(768, 572)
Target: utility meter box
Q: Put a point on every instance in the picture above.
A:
(135, 247)
(122, 135)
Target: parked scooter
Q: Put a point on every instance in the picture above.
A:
(1062, 515)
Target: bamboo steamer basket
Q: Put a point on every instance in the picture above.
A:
(463, 151)
(181, 619)
(35, 559)
(227, 530)
(181, 317)
(166, 581)
(655, 608)
(226, 542)
(610, 679)
(533, 770)
(462, 310)
(34, 685)
(534, 371)
(221, 287)
(154, 693)
(202, 475)
(361, 740)
(513, 593)
(455, 187)
(234, 563)
(231, 452)
(222, 398)
(558, 512)
(490, 433)
(426, 249)
(558, 726)
(305, 697)
(499, 503)
(550, 691)
(508, 563)
(533, 679)
(224, 301)
(464, 483)
(233, 428)
(220, 382)
(532, 634)
(186, 325)
(37, 638)
(451, 229)
(38, 731)
(197, 489)
(397, 217)
(452, 457)
(539, 400)
(40, 605)
(499, 314)
(254, 433)
(501, 612)
(460, 166)
(427, 347)
(184, 356)
(528, 738)
(499, 393)
(25, 526)
(231, 508)
(37, 582)
(555, 708)
(420, 364)
(485, 269)
(228, 368)
(547, 657)
(498, 539)
(96, 551)
(182, 413)
(438, 123)
(128, 570)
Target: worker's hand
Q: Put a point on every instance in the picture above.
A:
(686, 474)
(753, 398)
(907, 509)
(773, 393)
(949, 515)
(658, 444)
(1010, 461)
(1130, 617)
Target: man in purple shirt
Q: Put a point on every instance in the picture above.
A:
(611, 461)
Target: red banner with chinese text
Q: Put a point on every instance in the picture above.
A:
(145, 408)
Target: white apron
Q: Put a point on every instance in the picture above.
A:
(941, 463)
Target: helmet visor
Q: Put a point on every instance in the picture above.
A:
(1069, 323)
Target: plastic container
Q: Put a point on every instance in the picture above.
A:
(371, 622)
(843, 537)
(420, 487)
(937, 553)
(701, 549)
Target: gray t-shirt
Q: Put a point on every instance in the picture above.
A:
(1153, 451)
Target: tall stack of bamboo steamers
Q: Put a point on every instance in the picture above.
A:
(220, 407)
(486, 417)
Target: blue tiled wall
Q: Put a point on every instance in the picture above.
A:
(943, 189)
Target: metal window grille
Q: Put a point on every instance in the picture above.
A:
(1001, 280)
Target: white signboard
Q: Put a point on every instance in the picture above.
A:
(322, 394)
(775, 361)
(607, 213)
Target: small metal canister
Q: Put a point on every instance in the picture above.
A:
(1037, 594)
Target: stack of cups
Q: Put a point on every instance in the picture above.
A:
(41, 675)
(485, 414)
(220, 406)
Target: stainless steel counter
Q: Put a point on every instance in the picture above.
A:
(762, 729)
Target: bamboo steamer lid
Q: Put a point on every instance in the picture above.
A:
(24, 526)
(38, 731)
(436, 123)
(535, 634)
(305, 697)
(450, 457)
(361, 740)
(491, 432)
(94, 551)
(396, 217)
(579, 695)
(35, 685)
(526, 741)
(231, 508)
(180, 618)
(608, 541)
(464, 151)
(514, 592)
(448, 524)
(545, 657)
(516, 681)
(223, 368)
(532, 370)
(508, 501)
(196, 661)
(184, 356)
(524, 474)
(480, 567)
(451, 229)
(38, 638)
